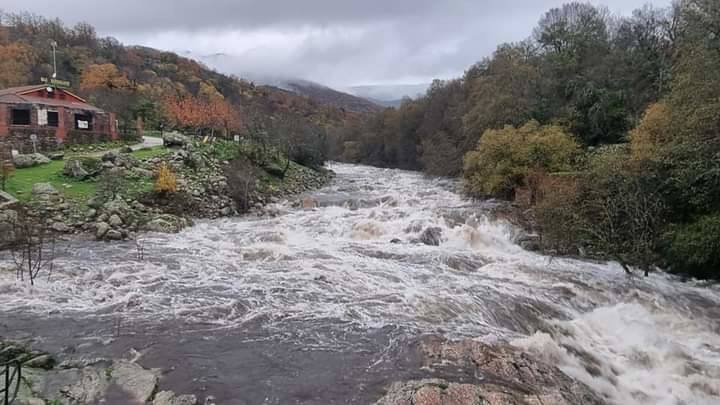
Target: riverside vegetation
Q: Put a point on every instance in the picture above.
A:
(607, 127)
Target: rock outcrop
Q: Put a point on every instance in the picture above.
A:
(474, 373)
(30, 160)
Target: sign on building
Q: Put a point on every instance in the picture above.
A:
(83, 124)
(42, 117)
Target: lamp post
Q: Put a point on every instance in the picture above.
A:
(54, 44)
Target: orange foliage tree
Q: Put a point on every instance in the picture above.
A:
(105, 76)
(16, 62)
(193, 112)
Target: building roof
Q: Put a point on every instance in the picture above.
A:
(24, 94)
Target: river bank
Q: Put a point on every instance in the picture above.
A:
(319, 307)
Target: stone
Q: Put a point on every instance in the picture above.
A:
(309, 203)
(40, 189)
(396, 241)
(175, 139)
(166, 223)
(74, 168)
(117, 206)
(30, 160)
(110, 156)
(101, 229)
(126, 149)
(57, 155)
(515, 378)
(138, 382)
(169, 398)
(115, 221)
(90, 213)
(44, 361)
(431, 236)
(113, 234)
(140, 172)
(60, 227)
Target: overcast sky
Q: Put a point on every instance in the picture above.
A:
(335, 42)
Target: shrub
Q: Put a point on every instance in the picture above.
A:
(694, 249)
(166, 181)
(504, 158)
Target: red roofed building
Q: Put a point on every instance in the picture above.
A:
(55, 116)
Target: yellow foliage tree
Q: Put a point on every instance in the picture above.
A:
(652, 134)
(505, 157)
(166, 181)
(16, 62)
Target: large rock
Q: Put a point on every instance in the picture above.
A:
(101, 229)
(30, 160)
(138, 382)
(169, 398)
(494, 375)
(44, 191)
(166, 223)
(431, 236)
(74, 168)
(119, 207)
(175, 139)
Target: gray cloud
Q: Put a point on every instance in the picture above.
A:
(329, 41)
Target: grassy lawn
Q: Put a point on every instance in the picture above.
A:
(21, 182)
(148, 153)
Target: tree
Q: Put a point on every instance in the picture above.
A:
(16, 62)
(104, 76)
(32, 246)
(505, 158)
(166, 181)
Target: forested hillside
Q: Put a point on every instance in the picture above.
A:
(159, 87)
(609, 125)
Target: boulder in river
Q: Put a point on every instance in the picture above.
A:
(474, 373)
(431, 236)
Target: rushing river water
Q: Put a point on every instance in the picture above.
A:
(317, 306)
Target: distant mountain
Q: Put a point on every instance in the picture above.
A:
(389, 95)
(326, 95)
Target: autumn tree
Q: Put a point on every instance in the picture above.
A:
(104, 76)
(16, 62)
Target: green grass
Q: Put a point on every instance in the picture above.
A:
(21, 183)
(148, 153)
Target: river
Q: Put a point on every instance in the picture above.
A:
(318, 307)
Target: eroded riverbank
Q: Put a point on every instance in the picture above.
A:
(317, 306)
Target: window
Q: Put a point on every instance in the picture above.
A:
(53, 119)
(83, 122)
(21, 116)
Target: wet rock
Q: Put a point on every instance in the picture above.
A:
(101, 229)
(396, 241)
(166, 223)
(44, 361)
(114, 234)
(138, 382)
(60, 227)
(530, 242)
(504, 375)
(309, 203)
(169, 398)
(431, 236)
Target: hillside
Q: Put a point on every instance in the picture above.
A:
(135, 81)
(326, 95)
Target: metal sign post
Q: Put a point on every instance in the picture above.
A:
(33, 139)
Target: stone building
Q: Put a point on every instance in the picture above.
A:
(42, 118)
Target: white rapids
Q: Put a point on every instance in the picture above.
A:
(636, 340)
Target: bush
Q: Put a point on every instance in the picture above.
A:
(504, 158)
(241, 178)
(694, 249)
(166, 181)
